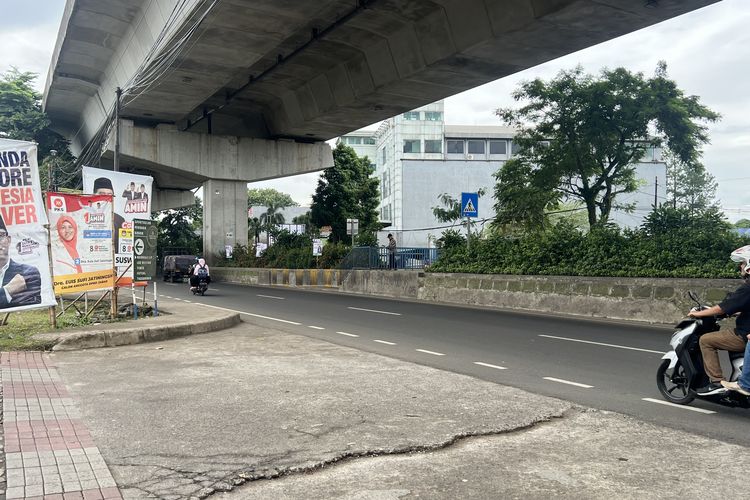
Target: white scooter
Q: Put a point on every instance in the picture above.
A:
(681, 372)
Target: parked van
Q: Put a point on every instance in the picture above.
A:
(177, 267)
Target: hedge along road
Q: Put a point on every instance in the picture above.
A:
(609, 365)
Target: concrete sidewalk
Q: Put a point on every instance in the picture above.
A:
(252, 412)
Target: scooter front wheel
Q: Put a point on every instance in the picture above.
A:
(674, 386)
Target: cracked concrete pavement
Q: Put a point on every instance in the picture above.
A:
(201, 415)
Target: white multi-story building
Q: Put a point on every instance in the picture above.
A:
(418, 158)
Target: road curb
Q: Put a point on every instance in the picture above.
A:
(157, 329)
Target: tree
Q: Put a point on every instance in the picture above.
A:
(689, 185)
(304, 219)
(180, 228)
(742, 223)
(580, 138)
(22, 119)
(254, 228)
(270, 219)
(268, 197)
(345, 191)
(451, 209)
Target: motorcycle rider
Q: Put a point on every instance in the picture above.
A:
(199, 270)
(733, 340)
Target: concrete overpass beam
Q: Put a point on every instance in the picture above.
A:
(164, 199)
(222, 157)
(224, 216)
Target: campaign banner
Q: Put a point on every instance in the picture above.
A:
(81, 242)
(26, 279)
(132, 200)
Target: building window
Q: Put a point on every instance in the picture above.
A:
(433, 146)
(384, 156)
(411, 115)
(514, 148)
(368, 140)
(498, 147)
(354, 140)
(476, 147)
(412, 146)
(455, 147)
(433, 116)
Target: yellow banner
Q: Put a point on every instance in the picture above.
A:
(95, 280)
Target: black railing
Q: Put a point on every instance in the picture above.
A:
(381, 258)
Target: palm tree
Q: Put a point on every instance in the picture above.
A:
(270, 219)
(254, 227)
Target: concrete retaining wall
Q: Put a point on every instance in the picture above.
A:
(654, 300)
(326, 278)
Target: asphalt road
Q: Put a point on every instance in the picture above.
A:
(602, 364)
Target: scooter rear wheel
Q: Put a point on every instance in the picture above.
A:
(674, 386)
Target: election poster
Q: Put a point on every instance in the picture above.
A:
(24, 260)
(81, 242)
(132, 200)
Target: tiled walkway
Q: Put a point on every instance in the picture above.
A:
(48, 450)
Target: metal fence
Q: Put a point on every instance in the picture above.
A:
(379, 258)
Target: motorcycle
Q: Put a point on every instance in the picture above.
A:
(201, 287)
(681, 372)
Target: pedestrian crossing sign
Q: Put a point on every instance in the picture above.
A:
(469, 205)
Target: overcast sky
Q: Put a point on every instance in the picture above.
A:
(707, 53)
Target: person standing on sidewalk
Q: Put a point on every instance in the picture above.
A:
(729, 340)
(391, 251)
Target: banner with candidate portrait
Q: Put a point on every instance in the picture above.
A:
(81, 242)
(24, 261)
(132, 200)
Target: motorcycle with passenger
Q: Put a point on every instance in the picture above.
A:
(681, 372)
(201, 287)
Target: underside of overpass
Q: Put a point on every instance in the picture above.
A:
(295, 72)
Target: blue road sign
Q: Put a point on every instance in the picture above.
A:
(469, 205)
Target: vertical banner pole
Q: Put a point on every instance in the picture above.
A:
(113, 304)
(156, 301)
(117, 131)
(52, 315)
(135, 301)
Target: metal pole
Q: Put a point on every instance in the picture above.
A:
(656, 190)
(117, 130)
(156, 301)
(135, 301)
(52, 315)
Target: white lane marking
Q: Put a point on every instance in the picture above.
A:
(270, 297)
(250, 314)
(373, 311)
(167, 296)
(316, 327)
(347, 334)
(667, 403)
(431, 352)
(188, 301)
(568, 382)
(603, 344)
(489, 365)
(384, 342)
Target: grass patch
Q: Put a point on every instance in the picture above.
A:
(18, 333)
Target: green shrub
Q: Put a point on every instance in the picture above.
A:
(670, 243)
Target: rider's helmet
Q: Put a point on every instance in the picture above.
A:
(742, 256)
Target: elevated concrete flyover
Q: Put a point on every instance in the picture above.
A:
(294, 70)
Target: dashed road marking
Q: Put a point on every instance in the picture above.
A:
(347, 334)
(568, 382)
(373, 311)
(316, 327)
(270, 297)
(431, 352)
(490, 366)
(384, 342)
(674, 405)
(602, 344)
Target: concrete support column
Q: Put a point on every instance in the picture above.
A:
(224, 216)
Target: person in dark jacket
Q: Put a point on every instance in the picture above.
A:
(21, 283)
(733, 340)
